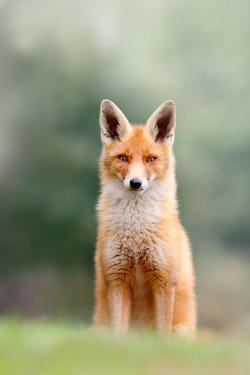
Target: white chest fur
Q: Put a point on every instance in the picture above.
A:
(131, 210)
(133, 217)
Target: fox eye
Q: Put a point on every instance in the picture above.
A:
(123, 158)
(151, 159)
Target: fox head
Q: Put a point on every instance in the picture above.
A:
(136, 155)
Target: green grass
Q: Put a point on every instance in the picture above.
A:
(46, 348)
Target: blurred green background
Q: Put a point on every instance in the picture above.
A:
(58, 60)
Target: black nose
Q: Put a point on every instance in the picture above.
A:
(135, 183)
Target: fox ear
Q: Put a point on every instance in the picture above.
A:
(113, 123)
(161, 124)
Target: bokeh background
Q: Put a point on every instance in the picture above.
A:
(58, 59)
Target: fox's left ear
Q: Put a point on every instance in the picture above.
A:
(114, 125)
(161, 124)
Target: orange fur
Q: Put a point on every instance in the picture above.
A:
(143, 263)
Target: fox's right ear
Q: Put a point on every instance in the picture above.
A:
(161, 124)
(114, 125)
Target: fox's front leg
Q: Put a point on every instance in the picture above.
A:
(120, 306)
(164, 296)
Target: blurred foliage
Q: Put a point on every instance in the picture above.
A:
(55, 348)
(59, 59)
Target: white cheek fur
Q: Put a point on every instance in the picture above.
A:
(126, 183)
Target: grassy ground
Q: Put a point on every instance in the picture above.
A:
(46, 348)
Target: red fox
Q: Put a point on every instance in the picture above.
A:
(143, 262)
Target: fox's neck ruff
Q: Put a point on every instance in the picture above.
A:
(132, 210)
